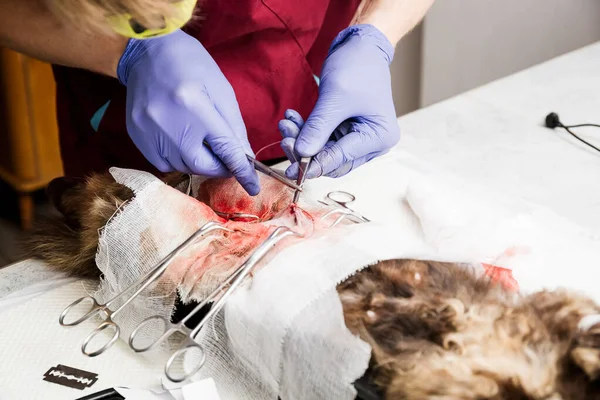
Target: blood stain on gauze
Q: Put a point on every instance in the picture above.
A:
(502, 276)
(228, 196)
(205, 264)
(213, 259)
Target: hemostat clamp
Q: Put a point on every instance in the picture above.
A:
(218, 298)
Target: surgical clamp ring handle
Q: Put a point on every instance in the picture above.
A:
(233, 281)
(169, 327)
(342, 199)
(141, 284)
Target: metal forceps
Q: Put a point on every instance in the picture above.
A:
(265, 169)
(226, 288)
(341, 199)
(238, 216)
(145, 281)
(303, 165)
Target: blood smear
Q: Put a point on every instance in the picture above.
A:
(207, 263)
(228, 196)
(502, 276)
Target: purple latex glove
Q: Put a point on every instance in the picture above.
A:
(177, 100)
(290, 129)
(354, 119)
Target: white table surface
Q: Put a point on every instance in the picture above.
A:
(494, 136)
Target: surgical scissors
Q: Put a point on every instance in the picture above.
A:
(141, 284)
(341, 199)
(233, 281)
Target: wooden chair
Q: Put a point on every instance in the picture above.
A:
(29, 149)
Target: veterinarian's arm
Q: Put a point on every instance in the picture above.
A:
(395, 18)
(174, 76)
(28, 27)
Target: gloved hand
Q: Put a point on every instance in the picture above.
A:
(290, 129)
(354, 119)
(177, 99)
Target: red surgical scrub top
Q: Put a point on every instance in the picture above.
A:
(269, 50)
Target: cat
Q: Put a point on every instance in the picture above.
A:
(437, 330)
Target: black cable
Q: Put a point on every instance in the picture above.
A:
(580, 139)
(552, 121)
(581, 126)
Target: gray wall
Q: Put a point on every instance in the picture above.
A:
(463, 44)
(406, 72)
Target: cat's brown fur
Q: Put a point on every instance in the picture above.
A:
(437, 330)
(69, 242)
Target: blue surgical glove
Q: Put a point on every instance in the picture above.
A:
(354, 119)
(177, 100)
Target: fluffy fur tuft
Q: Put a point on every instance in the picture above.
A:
(69, 242)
